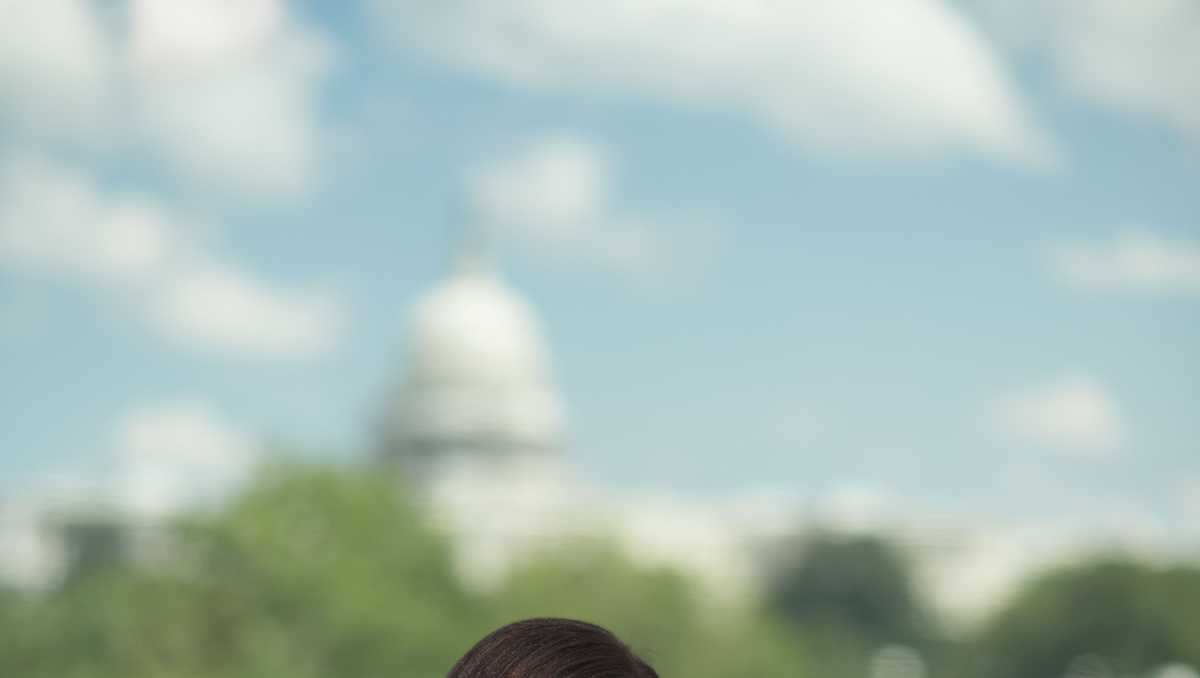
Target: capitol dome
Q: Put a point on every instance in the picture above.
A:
(477, 379)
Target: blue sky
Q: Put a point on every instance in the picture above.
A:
(954, 255)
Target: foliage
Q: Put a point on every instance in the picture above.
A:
(657, 611)
(1132, 616)
(848, 586)
(312, 573)
(321, 573)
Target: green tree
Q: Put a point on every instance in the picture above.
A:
(341, 568)
(325, 573)
(845, 596)
(859, 583)
(311, 573)
(657, 611)
(1133, 616)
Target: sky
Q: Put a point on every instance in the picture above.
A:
(947, 252)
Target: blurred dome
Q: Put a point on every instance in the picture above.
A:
(473, 327)
(477, 375)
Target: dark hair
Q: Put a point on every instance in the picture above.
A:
(551, 648)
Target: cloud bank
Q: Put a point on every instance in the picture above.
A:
(55, 222)
(554, 194)
(906, 78)
(1141, 262)
(223, 93)
(1074, 414)
(1141, 57)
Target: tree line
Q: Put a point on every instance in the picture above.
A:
(331, 573)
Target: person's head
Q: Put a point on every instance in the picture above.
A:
(551, 648)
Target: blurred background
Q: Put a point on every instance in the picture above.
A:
(821, 340)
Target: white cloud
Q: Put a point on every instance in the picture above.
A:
(177, 454)
(227, 90)
(185, 33)
(557, 184)
(1142, 262)
(55, 221)
(1074, 413)
(55, 66)
(225, 308)
(224, 92)
(1139, 56)
(860, 507)
(903, 78)
(555, 195)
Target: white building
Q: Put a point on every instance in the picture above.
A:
(478, 430)
(477, 388)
